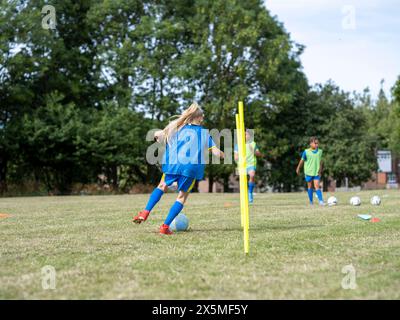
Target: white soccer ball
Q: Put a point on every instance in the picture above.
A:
(355, 201)
(332, 201)
(375, 201)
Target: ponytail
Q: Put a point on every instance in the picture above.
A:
(191, 113)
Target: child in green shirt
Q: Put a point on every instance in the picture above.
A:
(312, 160)
(252, 152)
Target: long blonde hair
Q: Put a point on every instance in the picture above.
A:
(188, 116)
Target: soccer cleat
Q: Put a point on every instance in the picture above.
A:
(321, 203)
(164, 229)
(141, 217)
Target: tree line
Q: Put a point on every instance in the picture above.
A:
(77, 101)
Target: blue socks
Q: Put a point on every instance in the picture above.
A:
(251, 186)
(319, 195)
(310, 194)
(154, 198)
(173, 212)
(318, 192)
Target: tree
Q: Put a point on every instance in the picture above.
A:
(113, 142)
(383, 120)
(239, 52)
(77, 101)
(15, 84)
(47, 144)
(396, 91)
(45, 72)
(395, 116)
(349, 147)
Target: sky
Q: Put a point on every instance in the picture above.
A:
(356, 43)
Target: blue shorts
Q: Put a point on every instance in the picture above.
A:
(185, 184)
(250, 168)
(311, 178)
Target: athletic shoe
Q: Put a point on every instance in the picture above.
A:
(321, 203)
(164, 229)
(141, 217)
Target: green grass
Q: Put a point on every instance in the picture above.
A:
(297, 251)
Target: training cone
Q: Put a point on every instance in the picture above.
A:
(365, 216)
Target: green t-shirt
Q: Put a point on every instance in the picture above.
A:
(312, 161)
(251, 159)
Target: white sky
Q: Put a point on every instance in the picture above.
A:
(354, 50)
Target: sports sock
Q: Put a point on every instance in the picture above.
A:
(319, 195)
(173, 212)
(310, 194)
(154, 198)
(251, 186)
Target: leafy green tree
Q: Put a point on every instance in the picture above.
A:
(395, 116)
(114, 142)
(16, 90)
(343, 128)
(112, 26)
(44, 72)
(349, 151)
(77, 101)
(396, 91)
(383, 120)
(239, 52)
(47, 143)
(380, 121)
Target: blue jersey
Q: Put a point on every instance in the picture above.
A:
(185, 152)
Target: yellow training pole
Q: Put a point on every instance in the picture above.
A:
(243, 139)
(243, 174)
(239, 144)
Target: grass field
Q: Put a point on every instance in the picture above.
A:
(297, 251)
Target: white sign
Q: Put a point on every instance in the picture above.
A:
(385, 161)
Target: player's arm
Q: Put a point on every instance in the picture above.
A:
(321, 168)
(213, 148)
(256, 151)
(218, 153)
(299, 166)
(301, 162)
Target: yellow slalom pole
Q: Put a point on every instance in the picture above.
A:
(243, 173)
(243, 142)
(239, 144)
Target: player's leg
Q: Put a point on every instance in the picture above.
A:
(310, 190)
(318, 191)
(174, 211)
(252, 177)
(153, 200)
(185, 185)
